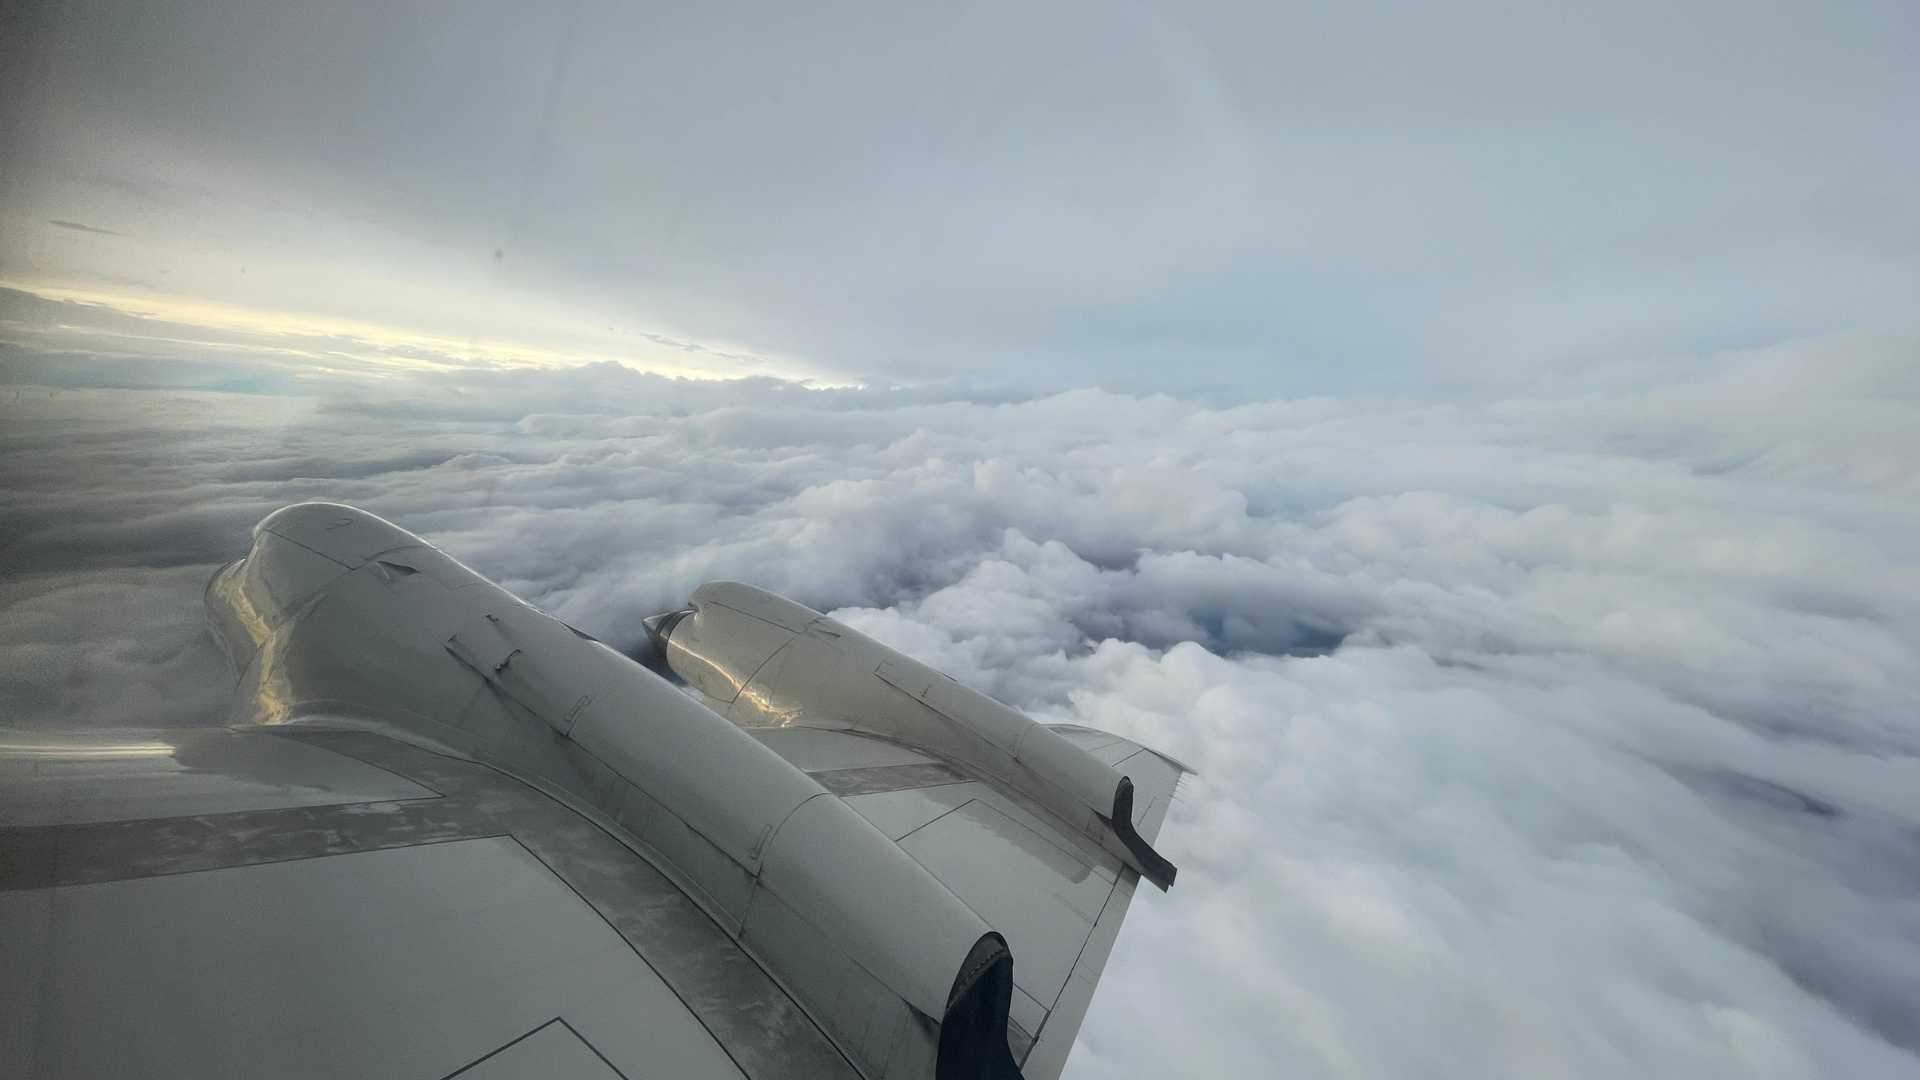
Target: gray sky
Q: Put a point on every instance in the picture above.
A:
(1266, 197)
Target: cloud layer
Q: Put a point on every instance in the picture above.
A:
(1537, 736)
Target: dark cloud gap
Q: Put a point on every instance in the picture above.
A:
(163, 538)
(77, 226)
(316, 468)
(1763, 792)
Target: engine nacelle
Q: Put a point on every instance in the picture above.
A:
(765, 661)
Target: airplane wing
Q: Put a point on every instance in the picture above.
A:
(443, 834)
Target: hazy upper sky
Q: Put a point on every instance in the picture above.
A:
(1261, 197)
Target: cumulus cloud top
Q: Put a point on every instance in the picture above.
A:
(1564, 735)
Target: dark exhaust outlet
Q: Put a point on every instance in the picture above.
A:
(973, 1036)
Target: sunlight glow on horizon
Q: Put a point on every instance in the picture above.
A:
(393, 347)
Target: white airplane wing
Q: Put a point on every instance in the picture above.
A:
(443, 834)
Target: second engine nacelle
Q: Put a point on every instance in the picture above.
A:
(765, 661)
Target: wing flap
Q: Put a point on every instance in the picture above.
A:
(1058, 898)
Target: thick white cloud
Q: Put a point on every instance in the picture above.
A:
(1564, 735)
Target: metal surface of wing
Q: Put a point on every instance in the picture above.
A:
(445, 834)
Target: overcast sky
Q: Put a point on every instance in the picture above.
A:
(1261, 197)
(1483, 439)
